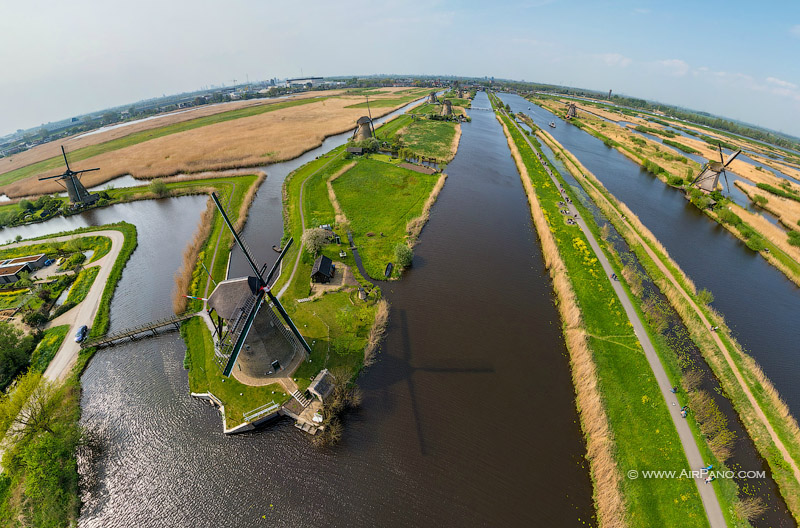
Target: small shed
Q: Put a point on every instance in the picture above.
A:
(356, 151)
(322, 385)
(323, 270)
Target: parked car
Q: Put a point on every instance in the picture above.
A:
(82, 333)
(48, 262)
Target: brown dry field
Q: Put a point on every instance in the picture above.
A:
(247, 142)
(787, 210)
(49, 150)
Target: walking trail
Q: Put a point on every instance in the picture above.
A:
(707, 494)
(717, 340)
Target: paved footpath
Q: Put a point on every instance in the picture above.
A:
(707, 494)
(83, 314)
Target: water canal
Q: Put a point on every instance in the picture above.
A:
(759, 303)
(468, 417)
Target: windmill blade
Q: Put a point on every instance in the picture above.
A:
(84, 170)
(289, 322)
(64, 153)
(235, 234)
(731, 157)
(51, 177)
(268, 278)
(721, 158)
(728, 185)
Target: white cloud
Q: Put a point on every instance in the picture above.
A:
(780, 82)
(675, 67)
(614, 59)
(641, 11)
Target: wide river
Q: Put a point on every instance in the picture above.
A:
(468, 418)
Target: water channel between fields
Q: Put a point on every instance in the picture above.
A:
(759, 303)
(468, 417)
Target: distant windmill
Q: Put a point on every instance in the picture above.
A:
(70, 179)
(447, 107)
(572, 111)
(432, 98)
(244, 306)
(708, 179)
(364, 129)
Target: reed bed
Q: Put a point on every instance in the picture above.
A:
(787, 210)
(456, 141)
(377, 332)
(252, 141)
(78, 141)
(594, 420)
(415, 225)
(183, 277)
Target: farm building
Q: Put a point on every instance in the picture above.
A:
(322, 385)
(323, 270)
(10, 269)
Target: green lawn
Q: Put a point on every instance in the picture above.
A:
(426, 108)
(381, 198)
(645, 437)
(146, 135)
(46, 349)
(82, 285)
(205, 376)
(388, 130)
(11, 299)
(429, 138)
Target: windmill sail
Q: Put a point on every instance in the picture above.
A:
(247, 319)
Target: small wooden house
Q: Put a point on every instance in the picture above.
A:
(323, 270)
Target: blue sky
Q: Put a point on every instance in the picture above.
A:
(736, 59)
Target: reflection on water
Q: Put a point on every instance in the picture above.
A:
(468, 416)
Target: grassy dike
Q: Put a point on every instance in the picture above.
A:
(765, 416)
(624, 417)
(745, 232)
(39, 485)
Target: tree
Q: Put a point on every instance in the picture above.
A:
(158, 187)
(26, 205)
(44, 133)
(404, 255)
(38, 413)
(15, 348)
(705, 297)
(315, 239)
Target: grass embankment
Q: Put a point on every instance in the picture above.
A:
(146, 135)
(46, 349)
(39, 486)
(431, 139)
(763, 413)
(83, 283)
(640, 426)
(380, 200)
(665, 170)
(205, 376)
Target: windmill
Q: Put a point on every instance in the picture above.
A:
(572, 111)
(244, 306)
(364, 129)
(432, 98)
(70, 179)
(708, 179)
(447, 108)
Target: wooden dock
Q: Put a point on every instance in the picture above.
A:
(137, 332)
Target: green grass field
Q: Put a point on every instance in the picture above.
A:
(388, 130)
(46, 349)
(82, 285)
(431, 139)
(381, 198)
(644, 435)
(205, 376)
(146, 135)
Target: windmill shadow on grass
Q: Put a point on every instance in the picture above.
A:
(401, 369)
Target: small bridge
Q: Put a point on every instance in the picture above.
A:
(137, 332)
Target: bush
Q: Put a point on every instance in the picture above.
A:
(675, 181)
(404, 255)
(760, 200)
(728, 216)
(705, 297)
(158, 187)
(315, 239)
(794, 238)
(756, 243)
